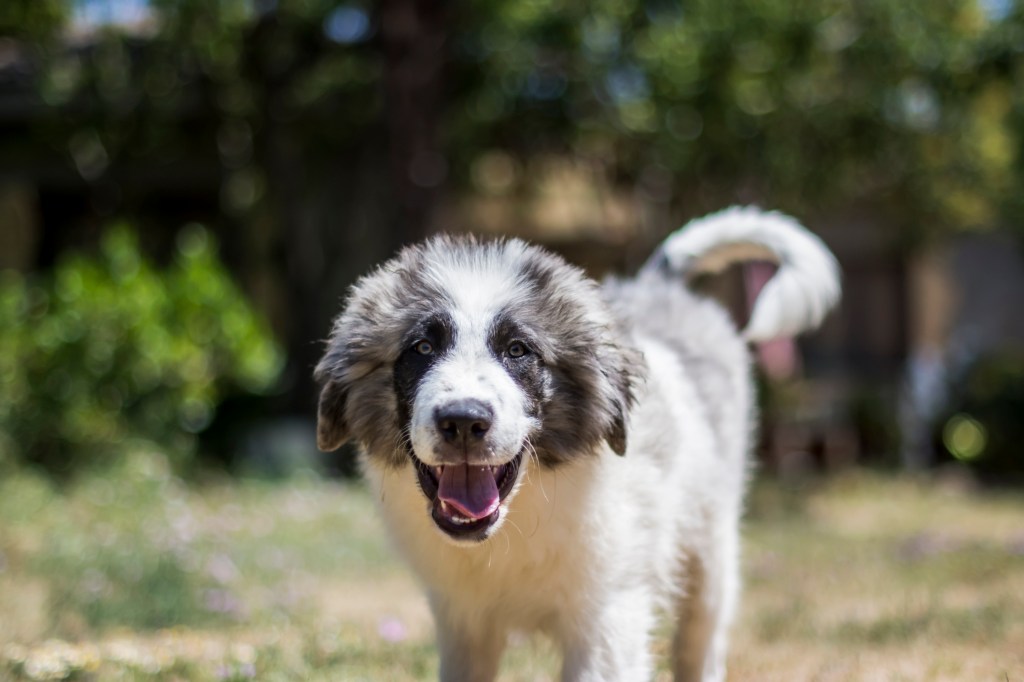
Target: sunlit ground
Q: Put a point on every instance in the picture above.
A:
(135, 576)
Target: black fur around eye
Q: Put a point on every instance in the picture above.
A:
(423, 347)
(517, 349)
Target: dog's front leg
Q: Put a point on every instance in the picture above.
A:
(612, 641)
(469, 653)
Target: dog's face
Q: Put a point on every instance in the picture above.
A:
(458, 359)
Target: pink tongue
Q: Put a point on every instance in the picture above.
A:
(470, 489)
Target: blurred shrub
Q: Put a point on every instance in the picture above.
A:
(107, 349)
(983, 426)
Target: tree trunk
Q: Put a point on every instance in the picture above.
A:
(413, 37)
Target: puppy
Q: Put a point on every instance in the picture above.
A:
(551, 454)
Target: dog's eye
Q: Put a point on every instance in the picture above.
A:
(423, 347)
(517, 349)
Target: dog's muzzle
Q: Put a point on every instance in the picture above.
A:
(471, 468)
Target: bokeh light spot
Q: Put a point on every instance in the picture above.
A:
(964, 437)
(347, 25)
(192, 240)
(494, 172)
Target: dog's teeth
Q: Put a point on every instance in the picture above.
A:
(453, 515)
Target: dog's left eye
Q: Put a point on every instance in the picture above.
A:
(517, 349)
(424, 347)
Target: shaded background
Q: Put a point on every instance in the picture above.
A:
(291, 145)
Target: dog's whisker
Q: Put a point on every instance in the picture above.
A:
(508, 541)
(514, 525)
(551, 503)
(536, 525)
(540, 479)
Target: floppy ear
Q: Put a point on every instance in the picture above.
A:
(331, 428)
(622, 378)
(617, 434)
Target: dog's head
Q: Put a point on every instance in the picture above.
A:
(460, 358)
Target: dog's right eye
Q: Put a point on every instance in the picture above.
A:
(423, 347)
(517, 349)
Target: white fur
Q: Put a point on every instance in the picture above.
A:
(589, 552)
(796, 298)
(592, 551)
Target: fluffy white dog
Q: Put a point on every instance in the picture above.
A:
(555, 455)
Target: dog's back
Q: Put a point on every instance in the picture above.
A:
(697, 356)
(712, 354)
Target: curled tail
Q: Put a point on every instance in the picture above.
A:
(796, 298)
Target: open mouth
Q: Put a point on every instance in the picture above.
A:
(467, 498)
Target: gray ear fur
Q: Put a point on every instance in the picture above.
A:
(616, 436)
(331, 427)
(623, 380)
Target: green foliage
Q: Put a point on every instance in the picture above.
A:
(812, 106)
(907, 106)
(34, 19)
(107, 349)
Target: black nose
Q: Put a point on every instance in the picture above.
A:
(464, 421)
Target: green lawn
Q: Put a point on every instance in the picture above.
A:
(135, 576)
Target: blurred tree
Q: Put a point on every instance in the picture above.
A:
(330, 127)
(809, 106)
(999, 74)
(37, 21)
(273, 103)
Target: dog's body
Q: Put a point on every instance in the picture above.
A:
(492, 388)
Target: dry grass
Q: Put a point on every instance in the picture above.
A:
(876, 579)
(137, 577)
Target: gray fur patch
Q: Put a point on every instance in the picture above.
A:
(590, 367)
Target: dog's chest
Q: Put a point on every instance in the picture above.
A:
(532, 571)
(537, 569)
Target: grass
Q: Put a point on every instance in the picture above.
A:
(134, 576)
